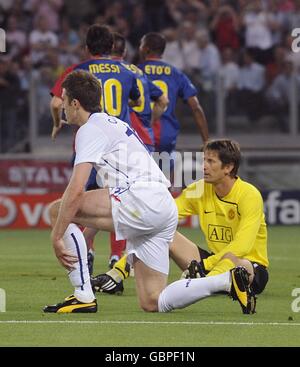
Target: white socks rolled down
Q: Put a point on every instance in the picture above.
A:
(185, 292)
(79, 277)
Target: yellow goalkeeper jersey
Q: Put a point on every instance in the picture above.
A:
(234, 223)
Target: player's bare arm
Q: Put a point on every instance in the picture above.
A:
(159, 107)
(199, 116)
(56, 113)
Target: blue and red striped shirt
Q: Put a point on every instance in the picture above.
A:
(174, 84)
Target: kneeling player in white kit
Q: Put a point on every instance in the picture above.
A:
(136, 205)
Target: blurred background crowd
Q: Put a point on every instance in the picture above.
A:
(244, 44)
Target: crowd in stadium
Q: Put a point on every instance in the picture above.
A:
(248, 43)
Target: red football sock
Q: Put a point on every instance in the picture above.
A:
(117, 247)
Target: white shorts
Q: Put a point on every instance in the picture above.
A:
(146, 216)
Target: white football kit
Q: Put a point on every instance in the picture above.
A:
(144, 212)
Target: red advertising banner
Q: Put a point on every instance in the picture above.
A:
(31, 211)
(25, 211)
(24, 174)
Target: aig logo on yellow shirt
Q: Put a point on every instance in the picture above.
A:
(231, 214)
(219, 233)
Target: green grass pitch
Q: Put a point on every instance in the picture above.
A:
(32, 278)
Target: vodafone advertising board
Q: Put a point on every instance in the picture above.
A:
(20, 180)
(25, 211)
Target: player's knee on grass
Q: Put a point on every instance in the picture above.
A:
(149, 304)
(261, 277)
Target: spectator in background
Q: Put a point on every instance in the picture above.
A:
(209, 60)
(21, 107)
(49, 9)
(189, 10)
(229, 72)
(225, 27)
(293, 17)
(5, 9)
(280, 92)
(139, 25)
(24, 74)
(251, 84)
(275, 67)
(45, 82)
(82, 31)
(173, 53)
(189, 47)
(286, 6)
(69, 42)
(24, 16)
(9, 92)
(52, 60)
(158, 14)
(41, 39)
(15, 37)
(277, 21)
(258, 35)
(113, 11)
(176, 10)
(208, 63)
(79, 11)
(196, 13)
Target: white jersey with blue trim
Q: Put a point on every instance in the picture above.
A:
(116, 152)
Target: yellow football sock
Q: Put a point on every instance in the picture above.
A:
(120, 271)
(221, 267)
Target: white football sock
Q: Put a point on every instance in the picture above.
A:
(79, 277)
(185, 292)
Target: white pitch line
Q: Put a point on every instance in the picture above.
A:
(149, 322)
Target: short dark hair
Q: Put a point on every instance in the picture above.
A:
(155, 42)
(99, 40)
(84, 87)
(228, 151)
(119, 44)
